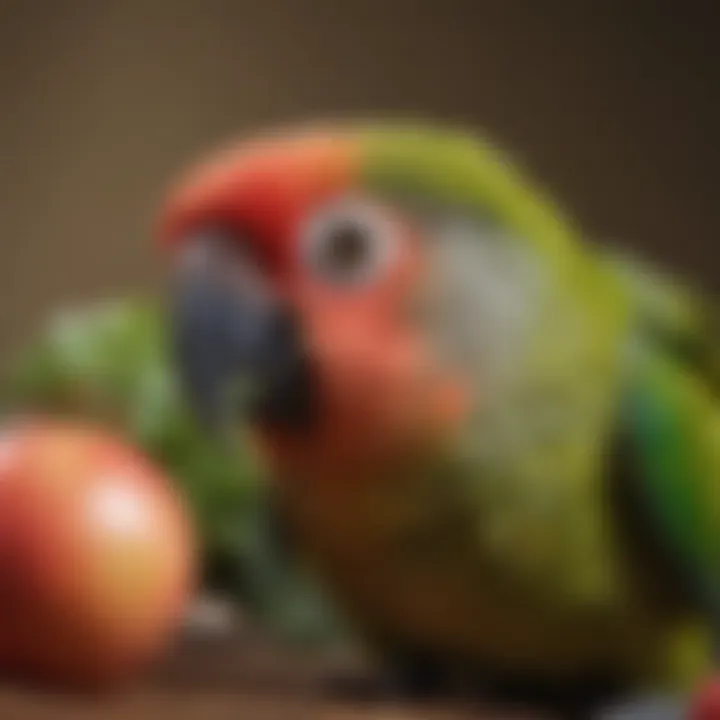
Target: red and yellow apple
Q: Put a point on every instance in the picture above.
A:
(97, 555)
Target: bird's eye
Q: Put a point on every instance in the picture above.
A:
(348, 244)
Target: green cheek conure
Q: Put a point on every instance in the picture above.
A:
(497, 443)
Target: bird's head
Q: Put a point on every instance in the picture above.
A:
(352, 292)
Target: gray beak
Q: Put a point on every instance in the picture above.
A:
(238, 349)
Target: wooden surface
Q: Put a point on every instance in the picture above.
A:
(238, 677)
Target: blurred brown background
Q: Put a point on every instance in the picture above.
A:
(613, 104)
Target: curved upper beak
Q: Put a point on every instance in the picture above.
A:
(237, 347)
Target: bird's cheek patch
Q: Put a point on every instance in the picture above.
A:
(452, 404)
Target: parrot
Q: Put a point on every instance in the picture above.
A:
(495, 439)
(108, 360)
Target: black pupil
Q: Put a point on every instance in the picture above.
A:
(347, 248)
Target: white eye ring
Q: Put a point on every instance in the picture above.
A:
(348, 243)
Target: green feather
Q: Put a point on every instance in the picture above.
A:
(457, 170)
(675, 417)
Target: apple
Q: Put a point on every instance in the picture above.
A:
(97, 555)
(706, 704)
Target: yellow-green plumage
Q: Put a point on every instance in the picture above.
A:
(509, 549)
